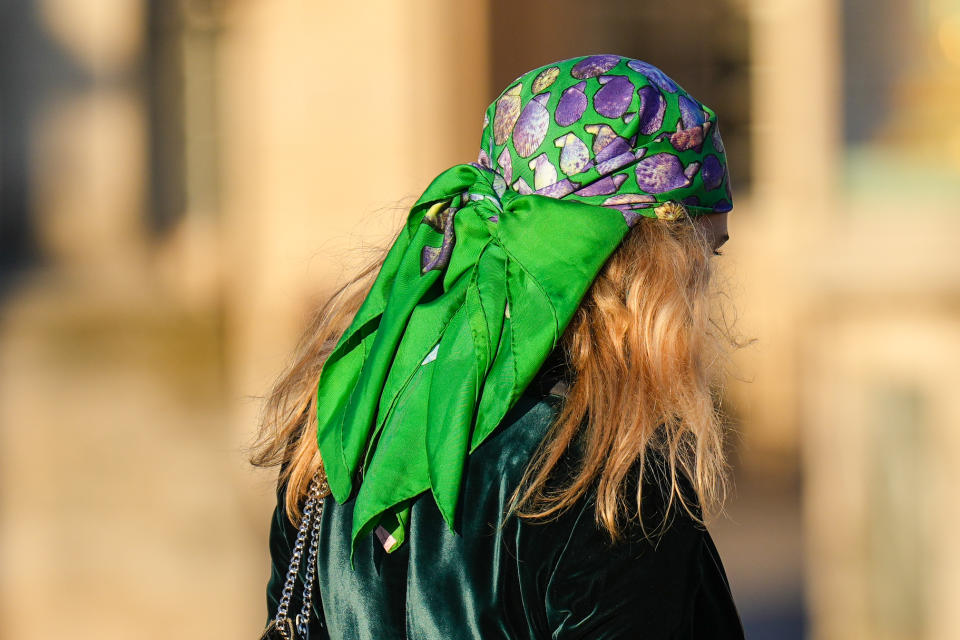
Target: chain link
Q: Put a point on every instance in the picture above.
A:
(303, 619)
(311, 524)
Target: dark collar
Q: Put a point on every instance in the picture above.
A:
(554, 370)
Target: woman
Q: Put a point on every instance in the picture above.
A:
(515, 419)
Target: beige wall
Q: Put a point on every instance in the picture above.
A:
(330, 126)
(130, 361)
(852, 293)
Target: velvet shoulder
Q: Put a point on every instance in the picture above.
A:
(660, 579)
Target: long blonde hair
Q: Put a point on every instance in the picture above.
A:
(644, 351)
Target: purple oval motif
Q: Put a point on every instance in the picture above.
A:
(572, 104)
(545, 79)
(557, 189)
(602, 134)
(506, 114)
(438, 257)
(484, 160)
(691, 138)
(613, 98)
(632, 199)
(617, 147)
(593, 66)
(532, 126)
(661, 172)
(505, 162)
(717, 140)
(604, 186)
(654, 74)
(711, 172)
(574, 155)
(690, 112)
(545, 174)
(652, 108)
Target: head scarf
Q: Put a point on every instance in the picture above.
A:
(493, 261)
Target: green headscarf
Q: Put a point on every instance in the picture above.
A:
(492, 263)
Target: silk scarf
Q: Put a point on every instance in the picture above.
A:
(490, 267)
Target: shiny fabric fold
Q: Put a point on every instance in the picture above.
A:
(435, 357)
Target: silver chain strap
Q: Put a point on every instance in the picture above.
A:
(309, 523)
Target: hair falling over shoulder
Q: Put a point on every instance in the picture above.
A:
(646, 349)
(287, 430)
(645, 353)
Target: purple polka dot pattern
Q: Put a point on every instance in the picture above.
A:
(614, 97)
(532, 126)
(573, 102)
(593, 66)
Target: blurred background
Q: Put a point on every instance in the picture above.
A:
(182, 181)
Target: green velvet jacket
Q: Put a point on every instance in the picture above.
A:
(506, 577)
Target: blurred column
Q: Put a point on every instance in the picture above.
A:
(89, 144)
(185, 146)
(881, 342)
(779, 224)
